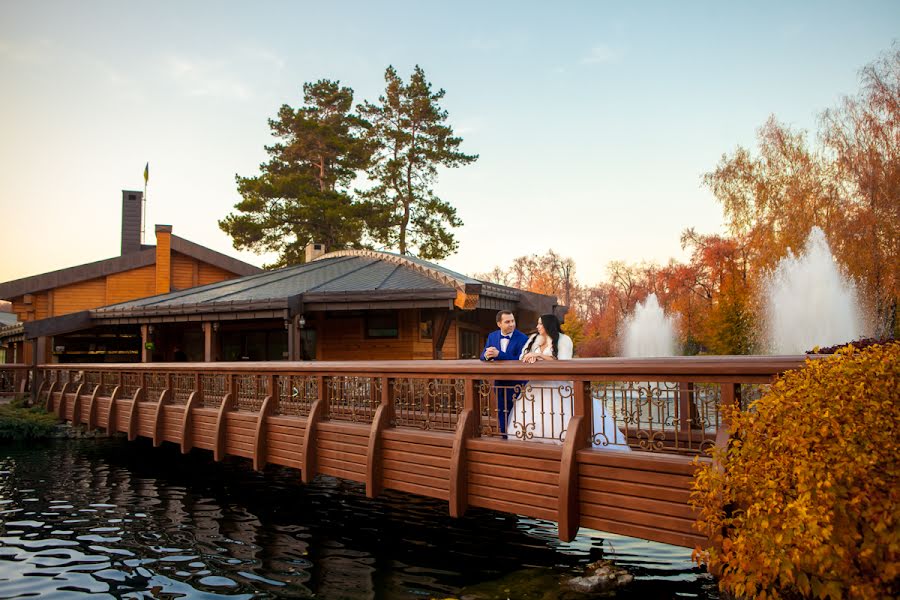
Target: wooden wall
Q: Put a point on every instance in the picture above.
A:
(344, 338)
(112, 289)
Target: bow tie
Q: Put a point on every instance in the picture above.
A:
(506, 337)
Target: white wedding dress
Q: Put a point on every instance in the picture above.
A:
(543, 409)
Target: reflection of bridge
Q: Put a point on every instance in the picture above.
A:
(430, 427)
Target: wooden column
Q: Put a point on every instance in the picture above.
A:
(210, 342)
(135, 413)
(146, 355)
(159, 417)
(441, 327)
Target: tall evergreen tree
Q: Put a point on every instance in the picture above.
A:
(301, 195)
(411, 138)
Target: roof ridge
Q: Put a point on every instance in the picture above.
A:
(429, 269)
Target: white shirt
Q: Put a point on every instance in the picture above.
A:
(504, 342)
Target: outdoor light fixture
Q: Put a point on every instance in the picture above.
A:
(302, 322)
(215, 325)
(150, 329)
(287, 323)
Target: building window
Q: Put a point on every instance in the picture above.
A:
(426, 324)
(383, 324)
(469, 343)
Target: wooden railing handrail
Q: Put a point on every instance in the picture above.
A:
(699, 368)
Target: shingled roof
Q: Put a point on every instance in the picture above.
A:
(347, 279)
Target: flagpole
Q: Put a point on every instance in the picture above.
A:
(144, 202)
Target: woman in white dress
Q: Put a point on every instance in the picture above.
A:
(543, 409)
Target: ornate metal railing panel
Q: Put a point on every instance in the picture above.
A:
(155, 383)
(427, 403)
(249, 391)
(296, 393)
(213, 387)
(353, 398)
(183, 384)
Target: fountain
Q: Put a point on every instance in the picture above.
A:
(809, 302)
(648, 331)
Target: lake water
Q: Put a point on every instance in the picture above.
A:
(111, 519)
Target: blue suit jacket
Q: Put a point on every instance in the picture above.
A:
(513, 349)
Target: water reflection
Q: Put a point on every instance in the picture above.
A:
(116, 519)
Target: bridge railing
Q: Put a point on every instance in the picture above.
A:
(670, 405)
(15, 380)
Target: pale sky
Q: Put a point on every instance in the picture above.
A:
(594, 120)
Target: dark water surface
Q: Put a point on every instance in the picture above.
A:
(116, 519)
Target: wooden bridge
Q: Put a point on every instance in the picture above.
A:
(432, 428)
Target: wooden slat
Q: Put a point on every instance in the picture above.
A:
(432, 482)
(295, 437)
(354, 459)
(640, 461)
(524, 462)
(415, 436)
(639, 490)
(541, 489)
(520, 498)
(421, 459)
(676, 538)
(513, 473)
(595, 503)
(412, 449)
(420, 469)
(326, 444)
(651, 478)
(511, 507)
(411, 488)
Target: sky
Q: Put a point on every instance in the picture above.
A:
(594, 121)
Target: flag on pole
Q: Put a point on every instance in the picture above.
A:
(146, 173)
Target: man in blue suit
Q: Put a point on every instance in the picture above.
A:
(504, 344)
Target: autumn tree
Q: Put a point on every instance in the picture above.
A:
(301, 194)
(863, 135)
(412, 139)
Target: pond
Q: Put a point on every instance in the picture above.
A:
(109, 518)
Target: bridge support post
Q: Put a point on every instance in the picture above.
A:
(112, 413)
(317, 412)
(260, 448)
(187, 421)
(92, 409)
(578, 436)
(222, 425)
(159, 418)
(134, 415)
(76, 405)
(60, 407)
(374, 454)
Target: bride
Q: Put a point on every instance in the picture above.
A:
(543, 409)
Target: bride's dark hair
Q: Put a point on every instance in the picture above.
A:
(552, 327)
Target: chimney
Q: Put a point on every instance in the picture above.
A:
(314, 251)
(163, 259)
(131, 221)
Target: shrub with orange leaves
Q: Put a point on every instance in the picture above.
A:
(805, 501)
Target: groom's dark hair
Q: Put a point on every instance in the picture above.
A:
(500, 314)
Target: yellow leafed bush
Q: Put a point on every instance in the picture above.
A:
(805, 502)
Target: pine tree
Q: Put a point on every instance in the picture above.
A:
(411, 139)
(301, 195)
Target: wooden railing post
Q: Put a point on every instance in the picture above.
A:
(374, 454)
(135, 414)
(227, 405)
(159, 417)
(76, 405)
(578, 436)
(466, 428)
(317, 412)
(687, 409)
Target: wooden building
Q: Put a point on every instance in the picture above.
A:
(346, 305)
(139, 271)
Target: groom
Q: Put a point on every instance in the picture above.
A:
(504, 344)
